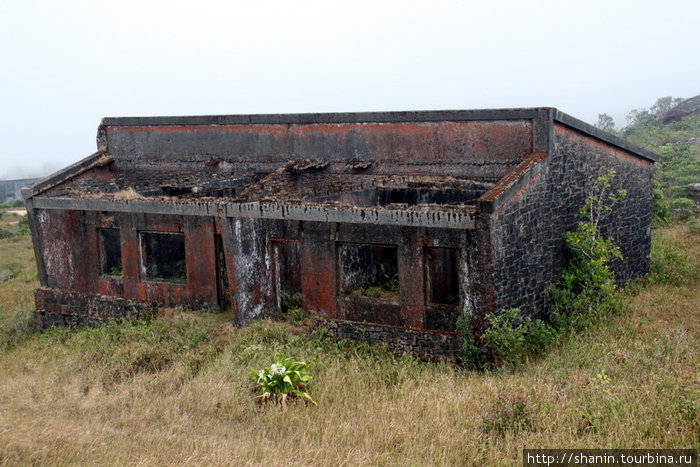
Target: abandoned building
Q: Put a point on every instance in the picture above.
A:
(388, 225)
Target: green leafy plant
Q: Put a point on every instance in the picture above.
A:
(391, 283)
(505, 335)
(510, 336)
(587, 282)
(508, 413)
(285, 377)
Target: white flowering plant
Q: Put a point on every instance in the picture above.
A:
(285, 377)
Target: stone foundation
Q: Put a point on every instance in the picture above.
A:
(59, 308)
(428, 344)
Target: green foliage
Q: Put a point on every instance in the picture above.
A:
(285, 377)
(372, 291)
(693, 226)
(126, 349)
(115, 271)
(391, 283)
(678, 147)
(606, 123)
(505, 335)
(508, 413)
(508, 339)
(18, 203)
(387, 289)
(23, 226)
(587, 282)
(470, 351)
(511, 337)
(669, 265)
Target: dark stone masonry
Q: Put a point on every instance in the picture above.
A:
(387, 225)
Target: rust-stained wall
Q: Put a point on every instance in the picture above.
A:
(72, 258)
(457, 148)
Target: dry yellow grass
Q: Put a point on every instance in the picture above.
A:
(141, 395)
(128, 194)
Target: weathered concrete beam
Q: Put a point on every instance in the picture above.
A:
(431, 217)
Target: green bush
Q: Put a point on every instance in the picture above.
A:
(470, 351)
(587, 282)
(511, 337)
(506, 334)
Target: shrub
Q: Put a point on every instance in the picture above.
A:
(470, 351)
(505, 335)
(587, 282)
(508, 413)
(510, 336)
(285, 377)
(682, 208)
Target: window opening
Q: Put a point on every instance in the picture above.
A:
(110, 252)
(286, 262)
(370, 271)
(163, 256)
(443, 276)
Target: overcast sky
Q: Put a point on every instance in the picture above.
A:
(66, 64)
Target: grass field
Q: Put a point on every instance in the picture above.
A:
(177, 390)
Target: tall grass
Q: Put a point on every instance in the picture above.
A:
(177, 390)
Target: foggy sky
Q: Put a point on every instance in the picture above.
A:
(67, 64)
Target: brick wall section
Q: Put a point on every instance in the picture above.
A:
(428, 344)
(527, 246)
(56, 308)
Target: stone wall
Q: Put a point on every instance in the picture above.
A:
(528, 251)
(428, 344)
(57, 308)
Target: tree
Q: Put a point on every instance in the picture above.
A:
(587, 282)
(605, 122)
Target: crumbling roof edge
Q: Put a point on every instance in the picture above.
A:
(510, 183)
(97, 159)
(609, 138)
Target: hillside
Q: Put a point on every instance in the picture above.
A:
(677, 142)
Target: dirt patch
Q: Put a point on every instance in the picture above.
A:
(19, 212)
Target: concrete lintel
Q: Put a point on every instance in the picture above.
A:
(255, 210)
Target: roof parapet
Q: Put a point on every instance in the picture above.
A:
(97, 159)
